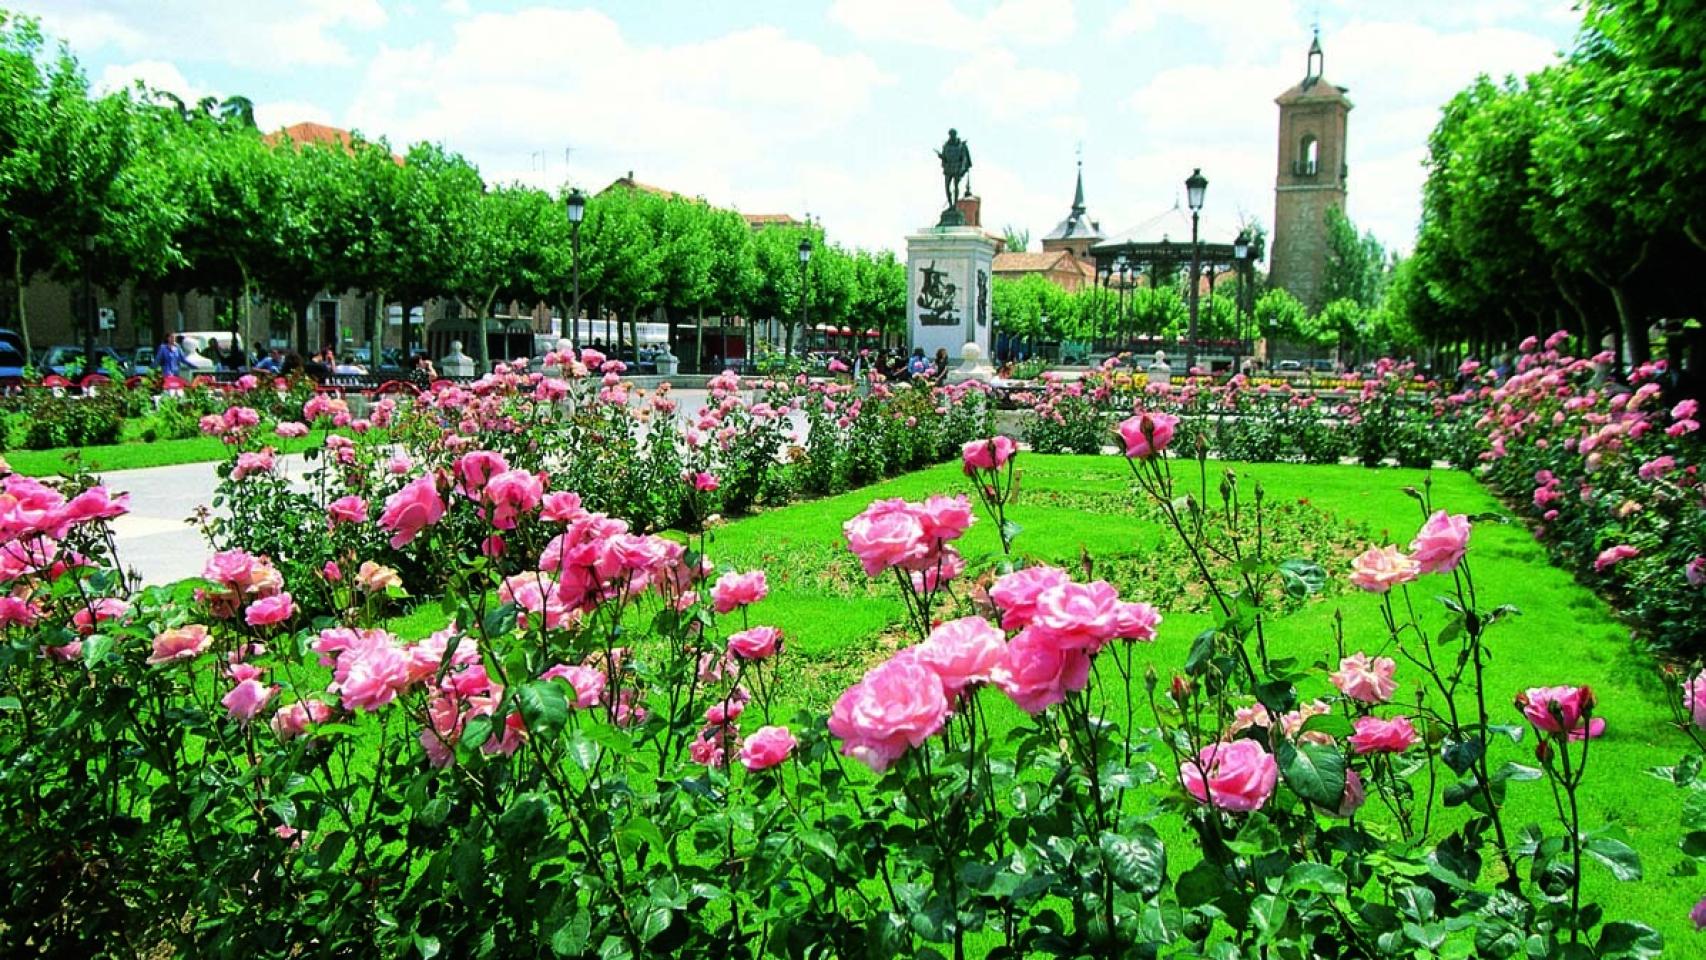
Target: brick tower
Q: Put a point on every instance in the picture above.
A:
(1312, 171)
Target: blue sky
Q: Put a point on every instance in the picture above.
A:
(834, 107)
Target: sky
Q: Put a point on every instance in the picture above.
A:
(833, 108)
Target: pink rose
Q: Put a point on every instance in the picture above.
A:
(179, 643)
(766, 747)
(945, 518)
(411, 510)
(246, 699)
(270, 610)
(1238, 776)
(562, 507)
(1698, 915)
(588, 683)
(98, 610)
(592, 359)
(898, 704)
(513, 493)
(94, 503)
(991, 454)
(1379, 569)
(705, 483)
(1354, 796)
(1695, 572)
(350, 509)
(884, 536)
(291, 429)
(1374, 735)
(1694, 698)
(758, 643)
(1016, 593)
(1136, 621)
(1036, 673)
(1365, 679)
(738, 590)
(1575, 705)
(292, 721)
(375, 578)
(1611, 556)
(1147, 434)
(252, 463)
(475, 470)
(1077, 616)
(962, 652)
(1440, 544)
(17, 611)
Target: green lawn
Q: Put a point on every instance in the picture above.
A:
(837, 623)
(134, 453)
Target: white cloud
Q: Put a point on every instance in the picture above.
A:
(941, 23)
(1237, 25)
(997, 82)
(155, 74)
(275, 33)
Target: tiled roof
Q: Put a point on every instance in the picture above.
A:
(1029, 262)
(320, 133)
(770, 219)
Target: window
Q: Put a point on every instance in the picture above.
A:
(1308, 157)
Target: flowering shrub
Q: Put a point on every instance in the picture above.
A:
(589, 761)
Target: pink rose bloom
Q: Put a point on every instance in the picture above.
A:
(1611, 556)
(1681, 428)
(94, 503)
(246, 699)
(375, 578)
(270, 610)
(371, 672)
(1694, 698)
(766, 747)
(562, 507)
(1016, 593)
(704, 483)
(292, 721)
(1077, 616)
(513, 493)
(884, 537)
(898, 704)
(411, 510)
(592, 359)
(349, 509)
(1374, 735)
(1379, 569)
(179, 643)
(1574, 705)
(1036, 674)
(1695, 571)
(1440, 544)
(759, 643)
(475, 470)
(1355, 795)
(727, 710)
(17, 611)
(962, 653)
(1147, 434)
(1698, 915)
(1136, 621)
(738, 590)
(1365, 679)
(587, 682)
(1238, 776)
(291, 429)
(707, 750)
(1684, 410)
(253, 463)
(104, 608)
(945, 518)
(944, 566)
(991, 454)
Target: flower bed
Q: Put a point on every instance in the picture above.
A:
(590, 761)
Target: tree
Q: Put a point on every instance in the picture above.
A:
(1018, 239)
(1281, 315)
(497, 254)
(1354, 263)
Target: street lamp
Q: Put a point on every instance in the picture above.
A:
(90, 314)
(805, 289)
(1195, 186)
(575, 202)
(1241, 253)
(1124, 267)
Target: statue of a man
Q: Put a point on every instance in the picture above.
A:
(956, 163)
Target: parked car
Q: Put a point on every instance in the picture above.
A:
(1289, 366)
(12, 361)
(67, 361)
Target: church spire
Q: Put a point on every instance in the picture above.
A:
(1078, 196)
(1317, 61)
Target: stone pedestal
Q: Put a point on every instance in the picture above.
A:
(947, 289)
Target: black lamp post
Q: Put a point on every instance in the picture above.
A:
(576, 205)
(1195, 186)
(1241, 253)
(805, 285)
(1124, 267)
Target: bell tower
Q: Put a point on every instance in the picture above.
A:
(1311, 178)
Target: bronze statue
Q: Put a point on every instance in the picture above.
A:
(956, 165)
(937, 298)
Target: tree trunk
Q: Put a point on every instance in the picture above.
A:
(23, 319)
(482, 343)
(376, 333)
(301, 321)
(1634, 326)
(408, 331)
(699, 344)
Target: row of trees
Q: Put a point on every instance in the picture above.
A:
(138, 187)
(1575, 197)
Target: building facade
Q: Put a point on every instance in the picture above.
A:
(1311, 176)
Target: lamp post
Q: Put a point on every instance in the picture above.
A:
(1241, 253)
(1124, 267)
(1195, 186)
(90, 315)
(576, 205)
(805, 286)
